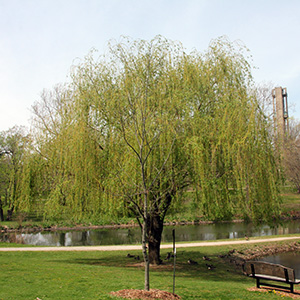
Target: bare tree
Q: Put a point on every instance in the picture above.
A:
(291, 154)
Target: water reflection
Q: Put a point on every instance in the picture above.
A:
(288, 259)
(133, 235)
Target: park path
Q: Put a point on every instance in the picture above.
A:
(139, 247)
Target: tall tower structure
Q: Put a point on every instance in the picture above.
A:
(280, 112)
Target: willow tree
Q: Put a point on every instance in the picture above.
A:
(136, 109)
(168, 120)
(63, 173)
(13, 147)
(147, 121)
(234, 167)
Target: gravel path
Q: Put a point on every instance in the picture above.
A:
(139, 247)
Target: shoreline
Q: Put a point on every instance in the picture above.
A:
(25, 229)
(28, 229)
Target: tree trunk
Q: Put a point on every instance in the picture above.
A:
(146, 258)
(9, 213)
(155, 228)
(1, 212)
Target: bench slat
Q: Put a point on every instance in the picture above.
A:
(268, 277)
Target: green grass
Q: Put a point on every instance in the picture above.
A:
(93, 275)
(291, 201)
(12, 245)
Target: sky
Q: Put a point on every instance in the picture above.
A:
(40, 40)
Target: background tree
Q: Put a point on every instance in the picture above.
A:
(263, 93)
(64, 170)
(13, 145)
(291, 155)
(4, 181)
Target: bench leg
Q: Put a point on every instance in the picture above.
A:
(292, 288)
(257, 283)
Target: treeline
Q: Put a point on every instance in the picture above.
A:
(138, 128)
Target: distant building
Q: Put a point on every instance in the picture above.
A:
(280, 112)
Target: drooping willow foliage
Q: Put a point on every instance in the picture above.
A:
(149, 120)
(234, 164)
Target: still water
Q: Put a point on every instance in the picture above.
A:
(133, 235)
(288, 259)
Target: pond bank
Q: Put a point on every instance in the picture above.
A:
(265, 250)
(238, 257)
(29, 228)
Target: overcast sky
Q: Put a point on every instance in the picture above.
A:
(41, 39)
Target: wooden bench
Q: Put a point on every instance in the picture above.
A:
(271, 272)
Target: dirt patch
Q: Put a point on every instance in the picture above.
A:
(282, 293)
(145, 295)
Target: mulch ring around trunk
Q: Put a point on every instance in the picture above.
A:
(145, 295)
(280, 292)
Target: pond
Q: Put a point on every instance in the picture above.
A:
(202, 232)
(287, 259)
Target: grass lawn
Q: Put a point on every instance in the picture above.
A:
(291, 202)
(93, 275)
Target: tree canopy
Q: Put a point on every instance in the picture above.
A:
(149, 119)
(13, 148)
